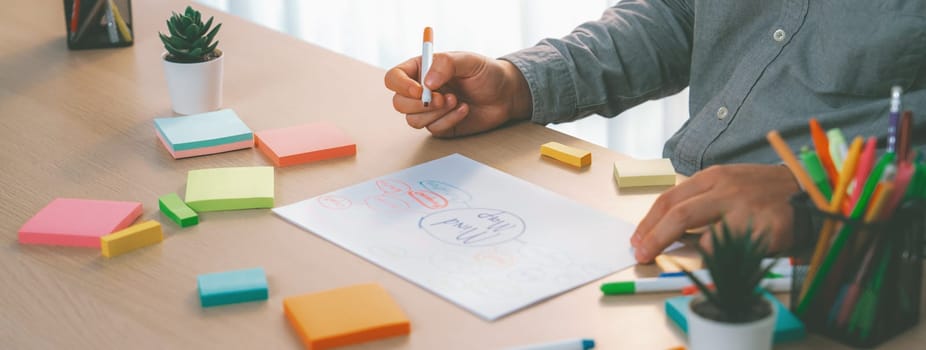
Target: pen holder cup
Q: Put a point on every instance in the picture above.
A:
(871, 290)
(94, 24)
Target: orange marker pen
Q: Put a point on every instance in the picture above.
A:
(427, 55)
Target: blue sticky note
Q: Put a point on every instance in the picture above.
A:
(203, 130)
(231, 287)
(787, 326)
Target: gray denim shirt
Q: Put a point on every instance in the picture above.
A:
(751, 65)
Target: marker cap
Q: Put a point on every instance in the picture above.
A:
(619, 288)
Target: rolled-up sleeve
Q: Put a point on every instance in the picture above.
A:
(639, 50)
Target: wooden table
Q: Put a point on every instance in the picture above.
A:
(79, 124)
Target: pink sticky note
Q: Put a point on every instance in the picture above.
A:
(78, 222)
(304, 143)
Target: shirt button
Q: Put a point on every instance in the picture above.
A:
(779, 35)
(722, 112)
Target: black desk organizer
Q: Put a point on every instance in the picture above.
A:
(900, 242)
(99, 24)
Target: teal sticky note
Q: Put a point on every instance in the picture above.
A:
(787, 326)
(203, 130)
(231, 287)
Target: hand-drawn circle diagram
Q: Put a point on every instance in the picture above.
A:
(451, 192)
(473, 227)
(334, 202)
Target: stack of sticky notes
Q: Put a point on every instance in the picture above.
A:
(231, 287)
(570, 155)
(345, 316)
(787, 326)
(305, 143)
(219, 189)
(177, 211)
(202, 134)
(78, 222)
(639, 173)
(131, 238)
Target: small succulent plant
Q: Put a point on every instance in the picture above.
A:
(190, 39)
(736, 269)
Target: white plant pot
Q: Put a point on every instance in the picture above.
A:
(707, 334)
(194, 87)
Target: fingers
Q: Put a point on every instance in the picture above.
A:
(696, 211)
(768, 226)
(669, 199)
(772, 226)
(420, 117)
(736, 221)
(402, 79)
(446, 126)
(453, 65)
(706, 242)
(413, 105)
(746, 196)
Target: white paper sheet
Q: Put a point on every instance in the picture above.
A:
(480, 238)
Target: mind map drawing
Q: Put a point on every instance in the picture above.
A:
(464, 226)
(482, 239)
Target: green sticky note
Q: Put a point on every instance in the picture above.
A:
(203, 130)
(175, 209)
(230, 188)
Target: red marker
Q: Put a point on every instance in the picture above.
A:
(75, 13)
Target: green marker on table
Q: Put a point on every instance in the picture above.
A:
(774, 284)
(643, 285)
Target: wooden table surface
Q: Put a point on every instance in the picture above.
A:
(79, 124)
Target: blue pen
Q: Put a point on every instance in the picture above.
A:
(571, 344)
(894, 119)
(672, 274)
(782, 269)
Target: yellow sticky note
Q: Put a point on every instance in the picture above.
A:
(229, 188)
(570, 155)
(345, 316)
(639, 173)
(131, 238)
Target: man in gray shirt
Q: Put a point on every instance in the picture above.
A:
(752, 66)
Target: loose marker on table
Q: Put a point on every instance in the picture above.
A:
(427, 55)
(571, 344)
(678, 284)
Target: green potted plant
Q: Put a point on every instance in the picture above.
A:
(734, 314)
(192, 63)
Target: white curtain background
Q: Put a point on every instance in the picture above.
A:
(384, 33)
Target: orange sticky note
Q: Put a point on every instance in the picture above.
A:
(345, 316)
(305, 143)
(78, 222)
